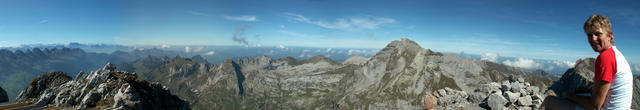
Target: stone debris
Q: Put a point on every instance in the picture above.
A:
(495, 96)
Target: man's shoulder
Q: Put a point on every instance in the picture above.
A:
(607, 56)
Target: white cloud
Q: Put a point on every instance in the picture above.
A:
(241, 18)
(197, 13)
(198, 49)
(328, 50)
(523, 63)
(187, 49)
(299, 34)
(305, 50)
(565, 63)
(637, 68)
(209, 53)
(493, 57)
(301, 55)
(280, 46)
(165, 46)
(282, 26)
(43, 21)
(348, 24)
(549, 68)
(411, 27)
(359, 52)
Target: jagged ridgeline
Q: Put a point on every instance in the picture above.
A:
(400, 76)
(101, 89)
(19, 66)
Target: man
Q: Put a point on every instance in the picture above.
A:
(613, 81)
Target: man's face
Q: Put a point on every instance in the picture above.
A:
(599, 39)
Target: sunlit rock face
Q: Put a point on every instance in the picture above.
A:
(104, 88)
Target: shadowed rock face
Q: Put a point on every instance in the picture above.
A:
(101, 89)
(41, 83)
(581, 78)
(635, 103)
(578, 78)
(3, 96)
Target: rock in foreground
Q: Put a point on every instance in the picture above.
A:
(3, 96)
(495, 96)
(578, 78)
(102, 89)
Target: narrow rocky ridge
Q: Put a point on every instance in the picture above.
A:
(104, 88)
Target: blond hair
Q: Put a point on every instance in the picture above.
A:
(598, 21)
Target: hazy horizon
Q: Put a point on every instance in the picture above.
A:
(520, 29)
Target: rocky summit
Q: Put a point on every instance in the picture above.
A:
(101, 89)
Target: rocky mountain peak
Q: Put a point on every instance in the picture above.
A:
(109, 67)
(103, 89)
(400, 53)
(402, 44)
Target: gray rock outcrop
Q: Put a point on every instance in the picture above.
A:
(517, 94)
(489, 96)
(579, 78)
(41, 83)
(102, 89)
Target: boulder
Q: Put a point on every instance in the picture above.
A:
(525, 101)
(127, 98)
(3, 96)
(450, 98)
(496, 101)
(506, 86)
(511, 96)
(578, 78)
(488, 88)
(430, 102)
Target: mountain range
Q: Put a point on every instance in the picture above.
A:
(397, 77)
(403, 75)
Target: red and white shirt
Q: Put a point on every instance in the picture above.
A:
(612, 67)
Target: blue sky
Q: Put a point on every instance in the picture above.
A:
(531, 29)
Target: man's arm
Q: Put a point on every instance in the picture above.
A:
(598, 95)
